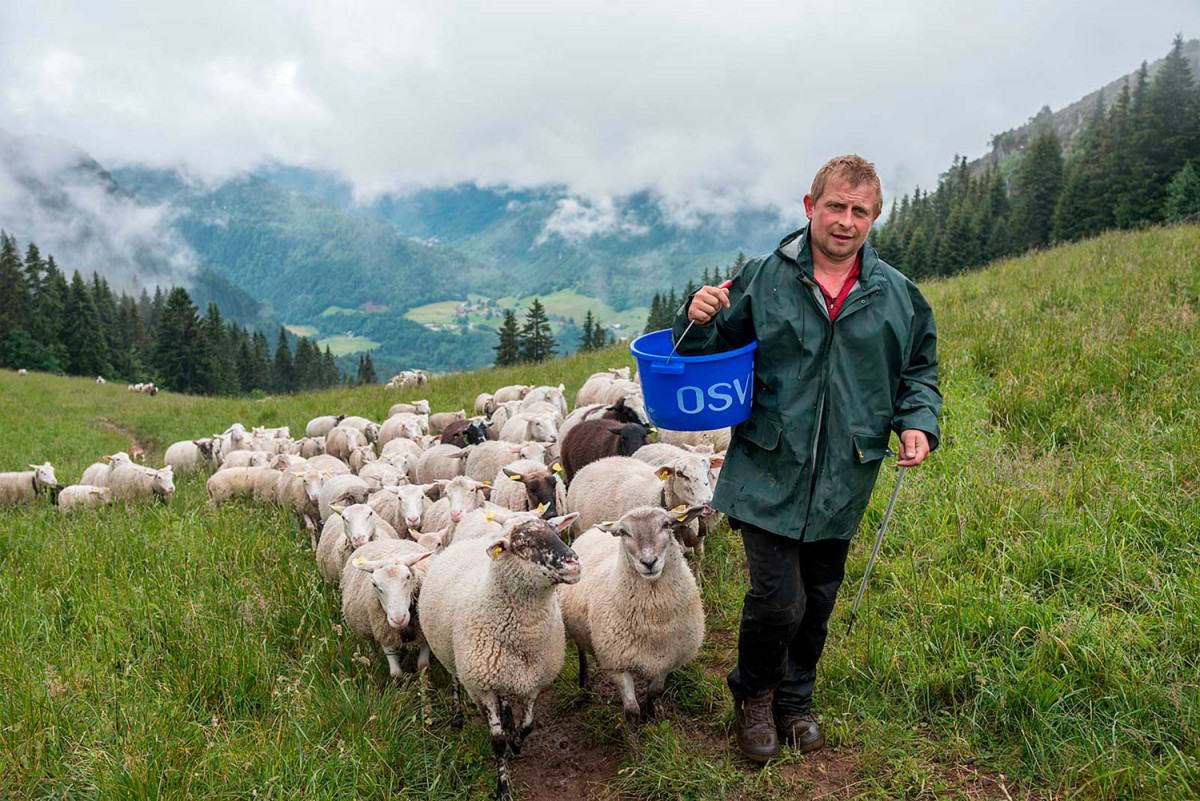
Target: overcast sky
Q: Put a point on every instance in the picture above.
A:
(710, 103)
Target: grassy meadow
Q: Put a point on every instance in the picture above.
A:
(1032, 628)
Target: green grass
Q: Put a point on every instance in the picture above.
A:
(1035, 612)
(341, 345)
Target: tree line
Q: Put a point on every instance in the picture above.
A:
(84, 328)
(664, 305)
(1133, 163)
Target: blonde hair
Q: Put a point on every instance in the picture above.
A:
(854, 170)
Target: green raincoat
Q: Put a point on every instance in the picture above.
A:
(826, 395)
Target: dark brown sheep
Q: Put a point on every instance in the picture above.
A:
(541, 487)
(591, 440)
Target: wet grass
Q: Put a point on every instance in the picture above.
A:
(1035, 613)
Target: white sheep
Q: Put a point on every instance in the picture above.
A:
(441, 462)
(609, 487)
(439, 421)
(524, 428)
(513, 392)
(381, 474)
(133, 481)
(718, 438)
(321, 426)
(543, 409)
(459, 496)
(503, 413)
(82, 496)
(485, 403)
(378, 584)
(263, 432)
(485, 459)
(369, 428)
(330, 464)
(555, 396)
(97, 475)
(22, 372)
(637, 608)
(343, 439)
(343, 491)
(245, 459)
(416, 407)
(100, 380)
(595, 389)
(403, 425)
(190, 454)
(490, 614)
(360, 457)
(348, 529)
(299, 490)
(311, 446)
(405, 506)
(236, 482)
(659, 454)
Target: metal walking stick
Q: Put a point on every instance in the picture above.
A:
(875, 551)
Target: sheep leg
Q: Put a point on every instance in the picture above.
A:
(492, 708)
(423, 683)
(457, 720)
(583, 667)
(633, 713)
(658, 686)
(526, 723)
(393, 659)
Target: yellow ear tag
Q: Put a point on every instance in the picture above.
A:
(496, 552)
(662, 475)
(515, 477)
(362, 560)
(486, 483)
(608, 522)
(556, 467)
(414, 533)
(489, 515)
(541, 507)
(679, 509)
(681, 518)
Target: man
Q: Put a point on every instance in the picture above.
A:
(846, 354)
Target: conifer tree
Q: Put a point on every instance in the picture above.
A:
(655, 315)
(738, 264)
(1183, 194)
(508, 351)
(366, 370)
(14, 295)
(261, 377)
(537, 343)
(87, 352)
(330, 374)
(177, 351)
(1038, 184)
(587, 341)
(282, 376)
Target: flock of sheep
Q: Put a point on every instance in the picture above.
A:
(449, 533)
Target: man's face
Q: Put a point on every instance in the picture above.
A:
(841, 219)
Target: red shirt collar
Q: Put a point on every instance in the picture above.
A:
(834, 304)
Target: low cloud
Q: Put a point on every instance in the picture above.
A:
(53, 195)
(575, 219)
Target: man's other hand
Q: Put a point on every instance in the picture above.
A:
(914, 447)
(707, 301)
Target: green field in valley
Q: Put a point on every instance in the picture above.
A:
(341, 345)
(1032, 629)
(567, 303)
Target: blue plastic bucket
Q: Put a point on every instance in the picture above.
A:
(694, 393)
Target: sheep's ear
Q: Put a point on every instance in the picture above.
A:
(716, 461)
(613, 527)
(412, 559)
(563, 522)
(106, 458)
(433, 491)
(687, 514)
(664, 471)
(515, 449)
(512, 474)
(463, 454)
(367, 566)
(337, 507)
(498, 546)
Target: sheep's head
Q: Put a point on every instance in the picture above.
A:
(464, 495)
(422, 407)
(163, 484)
(393, 580)
(313, 481)
(542, 429)
(649, 536)
(540, 488)
(414, 500)
(206, 448)
(633, 436)
(475, 434)
(361, 523)
(532, 546)
(687, 480)
(371, 432)
(43, 475)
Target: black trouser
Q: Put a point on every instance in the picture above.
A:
(785, 615)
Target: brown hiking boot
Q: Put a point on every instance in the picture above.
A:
(756, 734)
(800, 731)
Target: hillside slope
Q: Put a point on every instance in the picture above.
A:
(1032, 629)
